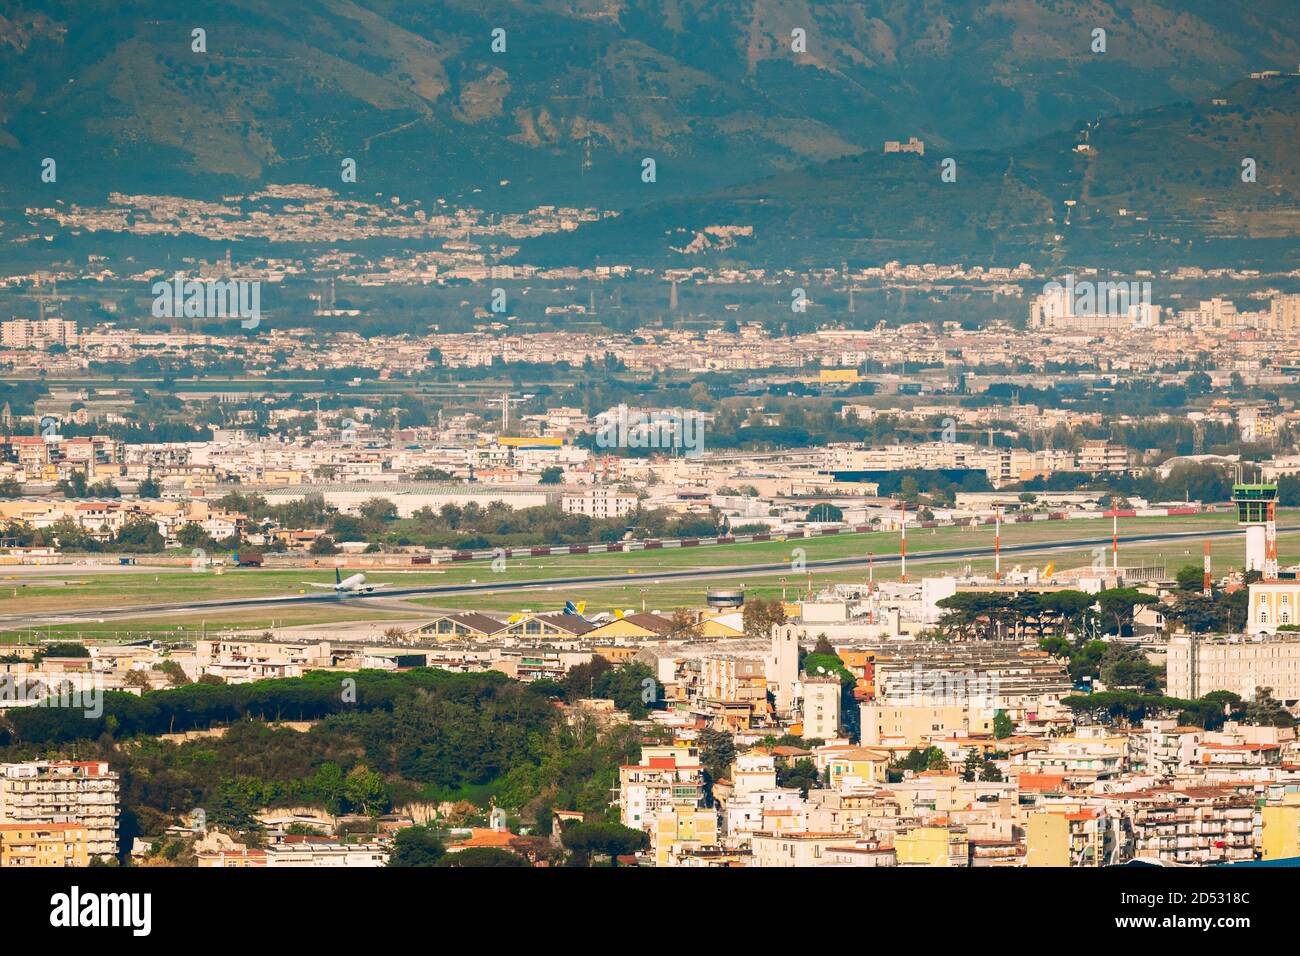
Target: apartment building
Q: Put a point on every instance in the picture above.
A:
(1059, 838)
(85, 793)
(238, 662)
(667, 777)
(43, 845)
(1088, 753)
(1195, 825)
(1162, 747)
(37, 333)
(821, 707)
(733, 690)
(323, 852)
(1280, 834)
(1197, 665)
(910, 725)
(599, 503)
(801, 848)
(1284, 313)
(943, 846)
(754, 795)
(847, 765)
(682, 829)
(1102, 456)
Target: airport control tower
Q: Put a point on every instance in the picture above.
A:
(1257, 513)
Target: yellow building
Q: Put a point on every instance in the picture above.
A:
(1273, 604)
(43, 844)
(870, 766)
(615, 655)
(828, 375)
(1281, 837)
(911, 725)
(1066, 838)
(283, 476)
(933, 846)
(1047, 840)
(530, 441)
(722, 625)
(636, 626)
(686, 827)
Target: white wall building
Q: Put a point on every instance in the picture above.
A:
(1198, 665)
(821, 707)
(599, 503)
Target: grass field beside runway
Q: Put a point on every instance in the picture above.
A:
(1225, 553)
(22, 595)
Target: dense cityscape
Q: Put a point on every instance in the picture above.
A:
(542, 468)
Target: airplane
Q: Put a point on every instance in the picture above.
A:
(356, 584)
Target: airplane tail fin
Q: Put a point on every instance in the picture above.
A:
(338, 578)
(576, 609)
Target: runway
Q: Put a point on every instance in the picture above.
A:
(377, 599)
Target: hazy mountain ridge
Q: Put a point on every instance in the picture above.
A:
(1157, 183)
(415, 94)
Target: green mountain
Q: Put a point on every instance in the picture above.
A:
(1164, 186)
(286, 89)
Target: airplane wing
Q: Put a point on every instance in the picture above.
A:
(316, 584)
(376, 587)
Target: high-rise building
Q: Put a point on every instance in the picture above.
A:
(40, 333)
(1284, 313)
(821, 707)
(1198, 665)
(666, 777)
(47, 792)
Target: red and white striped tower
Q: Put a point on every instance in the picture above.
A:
(997, 542)
(1114, 537)
(871, 588)
(902, 527)
(1270, 543)
(1207, 585)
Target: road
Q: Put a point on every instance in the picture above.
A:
(377, 599)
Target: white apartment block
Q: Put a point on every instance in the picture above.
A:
(821, 708)
(1198, 665)
(83, 793)
(599, 503)
(797, 849)
(37, 333)
(298, 854)
(1002, 465)
(238, 662)
(1097, 456)
(1284, 313)
(668, 776)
